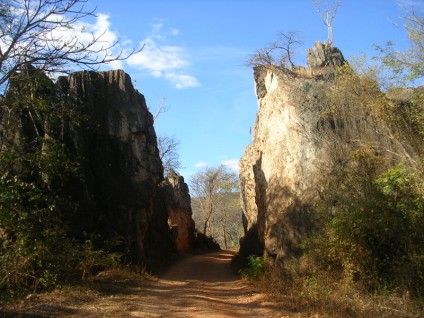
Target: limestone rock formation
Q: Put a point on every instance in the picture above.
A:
(120, 192)
(118, 143)
(179, 212)
(323, 55)
(293, 150)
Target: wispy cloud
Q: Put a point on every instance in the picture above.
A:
(163, 60)
(232, 164)
(102, 28)
(182, 81)
(201, 164)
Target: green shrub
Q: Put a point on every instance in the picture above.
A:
(256, 267)
(371, 229)
(91, 259)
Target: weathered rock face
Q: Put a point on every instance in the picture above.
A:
(323, 55)
(118, 143)
(121, 192)
(180, 212)
(172, 205)
(293, 150)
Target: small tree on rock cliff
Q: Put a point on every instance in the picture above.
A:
(327, 11)
(279, 53)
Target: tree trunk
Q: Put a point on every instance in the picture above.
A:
(330, 35)
(224, 231)
(205, 226)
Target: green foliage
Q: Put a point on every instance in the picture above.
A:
(406, 66)
(35, 249)
(371, 228)
(91, 259)
(256, 267)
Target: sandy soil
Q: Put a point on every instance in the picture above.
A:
(197, 286)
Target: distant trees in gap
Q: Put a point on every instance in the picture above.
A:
(215, 194)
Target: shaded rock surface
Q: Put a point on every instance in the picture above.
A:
(179, 212)
(293, 149)
(121, 161)
(122, 192)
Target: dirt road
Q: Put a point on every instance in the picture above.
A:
(205, 286)
(197, 286)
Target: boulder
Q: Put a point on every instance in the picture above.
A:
(323, 55)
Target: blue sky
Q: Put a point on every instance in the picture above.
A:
(195, 53)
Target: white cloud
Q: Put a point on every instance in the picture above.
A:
(162, 60)
(83, 34)
(157, 57)
(182, 81)
(201, 164)
(159, 60)
(174, 31)
(232, 164)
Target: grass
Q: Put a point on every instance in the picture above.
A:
(70, 298)
(318, 294)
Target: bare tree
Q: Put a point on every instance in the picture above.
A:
(279, 53)
(44, 34)
(168, 152)
(162, 108)
(207, 186)
(285, 44)
(327, 11)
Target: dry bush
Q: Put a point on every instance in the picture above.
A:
(314, 293)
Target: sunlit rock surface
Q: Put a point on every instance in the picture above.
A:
(293, 150)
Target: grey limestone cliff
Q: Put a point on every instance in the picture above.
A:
(104, 122)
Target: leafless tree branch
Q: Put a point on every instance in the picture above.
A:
(42, 33)
(327, 11)
(279, 53)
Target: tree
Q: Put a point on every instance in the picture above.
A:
(168, 153)
(208, 185)
(162, 108)
(279, 53)
(406, 65)
(327, 13)
(43, 34)
(225, 224)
